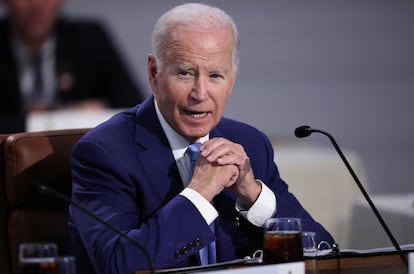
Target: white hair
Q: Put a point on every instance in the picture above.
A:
(191, 16)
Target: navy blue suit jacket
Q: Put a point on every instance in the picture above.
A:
(124, 171)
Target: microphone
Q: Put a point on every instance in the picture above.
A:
(305, 131)
(49, 191)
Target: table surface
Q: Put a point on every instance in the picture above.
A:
(375, 264)
(68, 118)
(384, 263)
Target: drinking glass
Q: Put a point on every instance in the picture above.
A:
(282, 240)
(310, 251)
(309, 244)
(42, 258)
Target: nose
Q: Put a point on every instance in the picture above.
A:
(200, 89)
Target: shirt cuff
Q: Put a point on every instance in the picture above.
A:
(206, 209)
(263, 209)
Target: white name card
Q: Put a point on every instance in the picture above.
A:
(286, 268)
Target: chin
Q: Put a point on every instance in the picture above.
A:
(194, 131)
(195, 134)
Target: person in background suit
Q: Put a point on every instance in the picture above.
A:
(133, 170)
(48, 61)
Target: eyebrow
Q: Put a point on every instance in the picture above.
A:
(184, 67)
(220, 71)
(191, 68)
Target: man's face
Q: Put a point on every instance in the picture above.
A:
(197, 77)
(33, 19)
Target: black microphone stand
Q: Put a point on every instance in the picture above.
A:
(52, 192)
(371, 204)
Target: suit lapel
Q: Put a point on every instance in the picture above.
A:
(8, 68)
(155, 155)
(65, 59)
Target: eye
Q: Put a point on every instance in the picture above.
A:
(216, 76)
(185, 73)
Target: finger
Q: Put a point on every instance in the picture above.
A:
(219, 148)
(230, 159)
(234, 177)
(212, 145)
(234, 155)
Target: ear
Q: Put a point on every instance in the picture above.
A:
(152, 73)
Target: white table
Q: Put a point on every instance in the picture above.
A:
(397, 210)
(66, 119)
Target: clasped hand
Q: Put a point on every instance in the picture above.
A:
(224, 164)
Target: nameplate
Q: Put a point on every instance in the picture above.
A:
(411, 263)
(285, 268)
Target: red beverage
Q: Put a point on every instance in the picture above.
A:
(282, 247)
(48, 265)
(42, 258)
(45, 267)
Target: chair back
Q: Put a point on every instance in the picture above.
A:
(26, 215)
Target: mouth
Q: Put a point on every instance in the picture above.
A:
(196, 114)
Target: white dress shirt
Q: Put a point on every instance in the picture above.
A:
(263, 208)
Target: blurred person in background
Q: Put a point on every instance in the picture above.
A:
(48, 61)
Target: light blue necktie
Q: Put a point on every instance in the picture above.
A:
(208, 253)
(194, 152)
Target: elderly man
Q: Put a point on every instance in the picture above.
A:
(135, 170)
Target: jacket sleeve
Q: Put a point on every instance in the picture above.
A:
(102, 185)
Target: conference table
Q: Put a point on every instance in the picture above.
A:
(376, 263)
(368, 263)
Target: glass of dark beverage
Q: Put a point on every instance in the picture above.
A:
(42, 258)
(282, 240)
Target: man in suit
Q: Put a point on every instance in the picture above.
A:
(51, 62)
(133, 170)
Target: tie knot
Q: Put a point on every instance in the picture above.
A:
(194, 151)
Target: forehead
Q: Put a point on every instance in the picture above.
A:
(207, 46)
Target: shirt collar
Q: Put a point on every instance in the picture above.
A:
(177, 142)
